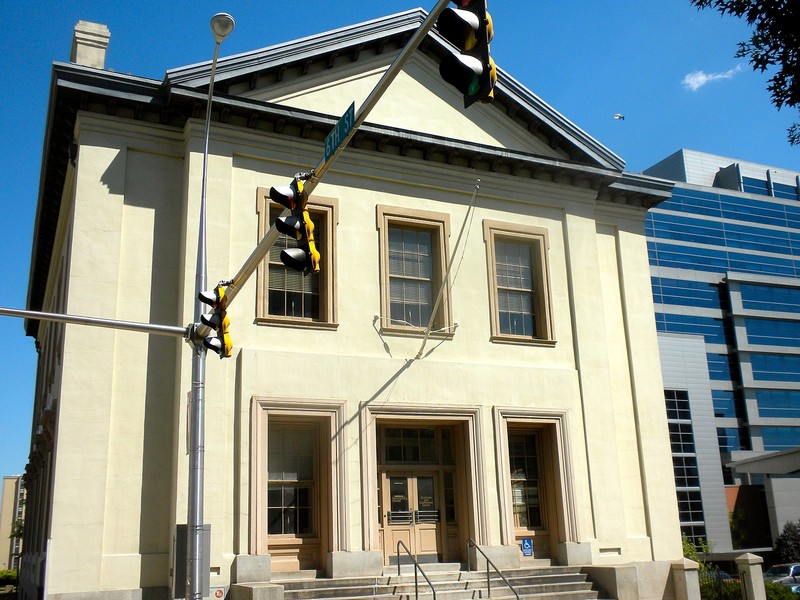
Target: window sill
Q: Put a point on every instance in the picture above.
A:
(291, 539)
(302, 323)
(416, 332)
(521, 340)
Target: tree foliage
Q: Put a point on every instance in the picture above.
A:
(776, 591)
(696, 551)
(775, 42)
(17, 528)
(787, 546)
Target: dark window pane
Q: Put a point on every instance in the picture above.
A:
(274, 521)
(291, 294)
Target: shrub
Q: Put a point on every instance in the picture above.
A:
(714, 587)
(692, 551)
(8, 577)
(776, 591)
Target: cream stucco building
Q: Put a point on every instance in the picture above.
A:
(534, 409)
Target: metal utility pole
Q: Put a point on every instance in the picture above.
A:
(222, 25)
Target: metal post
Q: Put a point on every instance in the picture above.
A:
(221, 25)
(35, 315)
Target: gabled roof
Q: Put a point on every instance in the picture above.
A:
(326, 50)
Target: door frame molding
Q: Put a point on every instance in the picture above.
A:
(566, 513)
(476, 521)
(331, 412)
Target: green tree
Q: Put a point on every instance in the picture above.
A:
(692, 551)
(17, 528)
(787, 546)
(775, 43)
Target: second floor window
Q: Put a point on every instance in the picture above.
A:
(289, 297)
(519, 283)
(410, 276)
(291, 293)
(515, 288)
(413, 263)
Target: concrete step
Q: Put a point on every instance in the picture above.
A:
(428, 568)
(562, 583)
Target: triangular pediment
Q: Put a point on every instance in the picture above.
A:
(324, 73)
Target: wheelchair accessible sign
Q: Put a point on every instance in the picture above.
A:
(527, 546)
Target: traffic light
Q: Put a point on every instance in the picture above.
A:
(305, 257)
(472, 72)
(217, 320)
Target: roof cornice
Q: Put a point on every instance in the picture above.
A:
(314, 46)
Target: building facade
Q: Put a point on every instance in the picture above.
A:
(12, 514)
(725, 262)
(475, 361)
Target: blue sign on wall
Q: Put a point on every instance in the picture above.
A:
(527, 546)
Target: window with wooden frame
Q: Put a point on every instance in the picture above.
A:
(524, 458)
(292, 473)
(413, 261)
(289, 297)
(519, 295)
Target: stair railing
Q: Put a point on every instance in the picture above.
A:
(470, 542)
(416, 568)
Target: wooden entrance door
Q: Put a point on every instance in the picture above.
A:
(412, 516)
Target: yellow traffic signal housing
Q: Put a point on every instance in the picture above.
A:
(472, 72)
(218, 321)
(305, 257)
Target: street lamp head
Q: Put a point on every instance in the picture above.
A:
(222, 25)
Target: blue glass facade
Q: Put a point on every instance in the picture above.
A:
(696, 240)
(725, 266)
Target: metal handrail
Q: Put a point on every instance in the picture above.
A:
(416, 567)
(488, 562)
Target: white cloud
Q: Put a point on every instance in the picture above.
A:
(697, 79)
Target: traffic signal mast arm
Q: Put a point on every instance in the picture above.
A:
(263, 247)
(35, 315)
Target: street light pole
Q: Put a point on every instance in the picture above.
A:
(222, 25)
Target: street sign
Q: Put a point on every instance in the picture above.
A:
(527, 546)
(340, 131)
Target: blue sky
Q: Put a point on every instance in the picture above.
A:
(669, 68)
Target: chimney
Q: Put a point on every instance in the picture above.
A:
(89, 44)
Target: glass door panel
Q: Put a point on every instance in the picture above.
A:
(399, 512)
(413, 517)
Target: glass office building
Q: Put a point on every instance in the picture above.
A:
(725, 264)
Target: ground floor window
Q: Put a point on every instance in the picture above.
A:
(290, 489)
(523, 454)
(293, 503)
